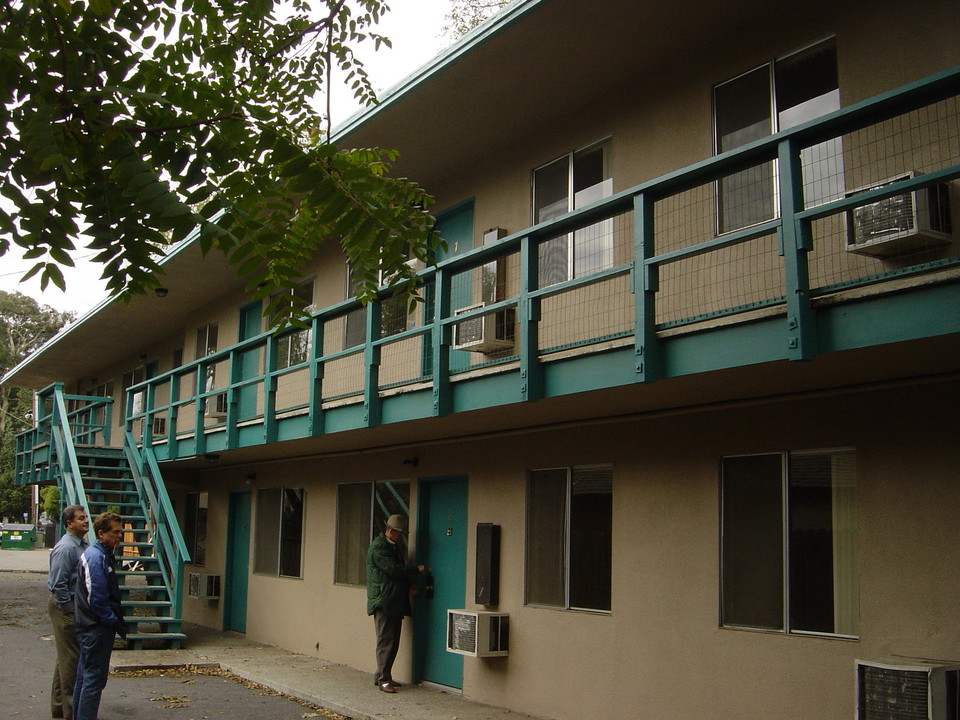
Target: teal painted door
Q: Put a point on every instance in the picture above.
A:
(238, 563)
(455, 225)
(251, 320)
(441, 546)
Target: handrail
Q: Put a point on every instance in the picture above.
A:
(791, 224)
(71, 481)
(169, 546)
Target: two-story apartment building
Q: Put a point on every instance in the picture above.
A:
(681, 399)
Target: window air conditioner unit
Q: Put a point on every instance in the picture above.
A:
(484, 333)
(917, 220)
(203, 586)
(478, 633)
(900, 688)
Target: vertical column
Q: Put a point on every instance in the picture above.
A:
(531, 370)
(442, 388)
(316, 377)
(646, 282)
(371, 359)
(795, 243)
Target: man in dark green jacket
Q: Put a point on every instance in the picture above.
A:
(388, 595)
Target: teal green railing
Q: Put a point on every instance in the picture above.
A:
(168, 543)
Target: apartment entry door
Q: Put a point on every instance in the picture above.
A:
(442, 546)
(237, 562)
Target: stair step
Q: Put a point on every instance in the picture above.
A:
(157, 636)
(164, 619)
(145, 603)
(139, 573)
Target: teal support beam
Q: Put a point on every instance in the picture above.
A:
(200, 438)
(371, 360)
(173, 413)
(270, 391)
(236, 371)
(528, 317)
(440, 362)
(795, 243)
(646, 283)
(316, 418)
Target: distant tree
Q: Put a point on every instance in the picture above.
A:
(464, 15)
(24, 326)
(127, 125)
(50, 502)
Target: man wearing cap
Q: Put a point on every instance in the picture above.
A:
(60, 583)
(388, 595)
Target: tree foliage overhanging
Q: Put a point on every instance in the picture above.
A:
(125, 126)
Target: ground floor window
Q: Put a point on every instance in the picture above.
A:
(569, 532)
(789, 542)
(195, 527)
(362, 510)
(279, 533)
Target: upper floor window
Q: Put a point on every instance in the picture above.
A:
(293, 348)
(573, 181)
(395, 315)
(207, 345)
(789, 542)
(773, 97)
(569, 537)
(134, 377)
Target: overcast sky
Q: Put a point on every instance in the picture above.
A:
(413, 27)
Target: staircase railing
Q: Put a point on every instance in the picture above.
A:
(168, 543)
(64, 454)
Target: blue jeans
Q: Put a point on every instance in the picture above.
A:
(96, 645)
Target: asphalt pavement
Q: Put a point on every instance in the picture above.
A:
(216, 675)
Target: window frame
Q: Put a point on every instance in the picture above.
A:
(262, 534)
(360, 560)
(786, 556)
(572, 240)
(775, 125)
(294, 347)
(568, 540)
(195, 526)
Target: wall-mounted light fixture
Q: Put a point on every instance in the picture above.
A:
(211, 457)
(161, 291)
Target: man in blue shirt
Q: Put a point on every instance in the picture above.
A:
(99, 615)
(60, 583)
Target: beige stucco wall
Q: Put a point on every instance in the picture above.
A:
(660, 650)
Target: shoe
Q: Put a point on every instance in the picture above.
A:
(394, 683)
(387, 687)
(56, 713)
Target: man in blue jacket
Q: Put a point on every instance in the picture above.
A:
(99, 615)
(61, 583)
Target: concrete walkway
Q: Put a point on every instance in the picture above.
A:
(339, 688)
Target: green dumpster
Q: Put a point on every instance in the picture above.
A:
(18, 537)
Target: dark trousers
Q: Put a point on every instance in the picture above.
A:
(68, 651)
(388, 643)
(96, 646)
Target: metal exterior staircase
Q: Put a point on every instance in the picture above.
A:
(148, 602)
(70, 445)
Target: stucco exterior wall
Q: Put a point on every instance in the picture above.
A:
(661, 649)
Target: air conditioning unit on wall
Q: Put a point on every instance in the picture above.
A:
(901, 688)
(478, 633)
(917, 220)
(203, 586)
(485, 333)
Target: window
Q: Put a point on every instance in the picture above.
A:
(394, 315)
(279, 534)
(134, 377)
(104, 390)
(195, 527)
(789, 542)
(570, 182)
(362, 510)
(774, 97)
(569, 530)
(207, 345)
(293, 348)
